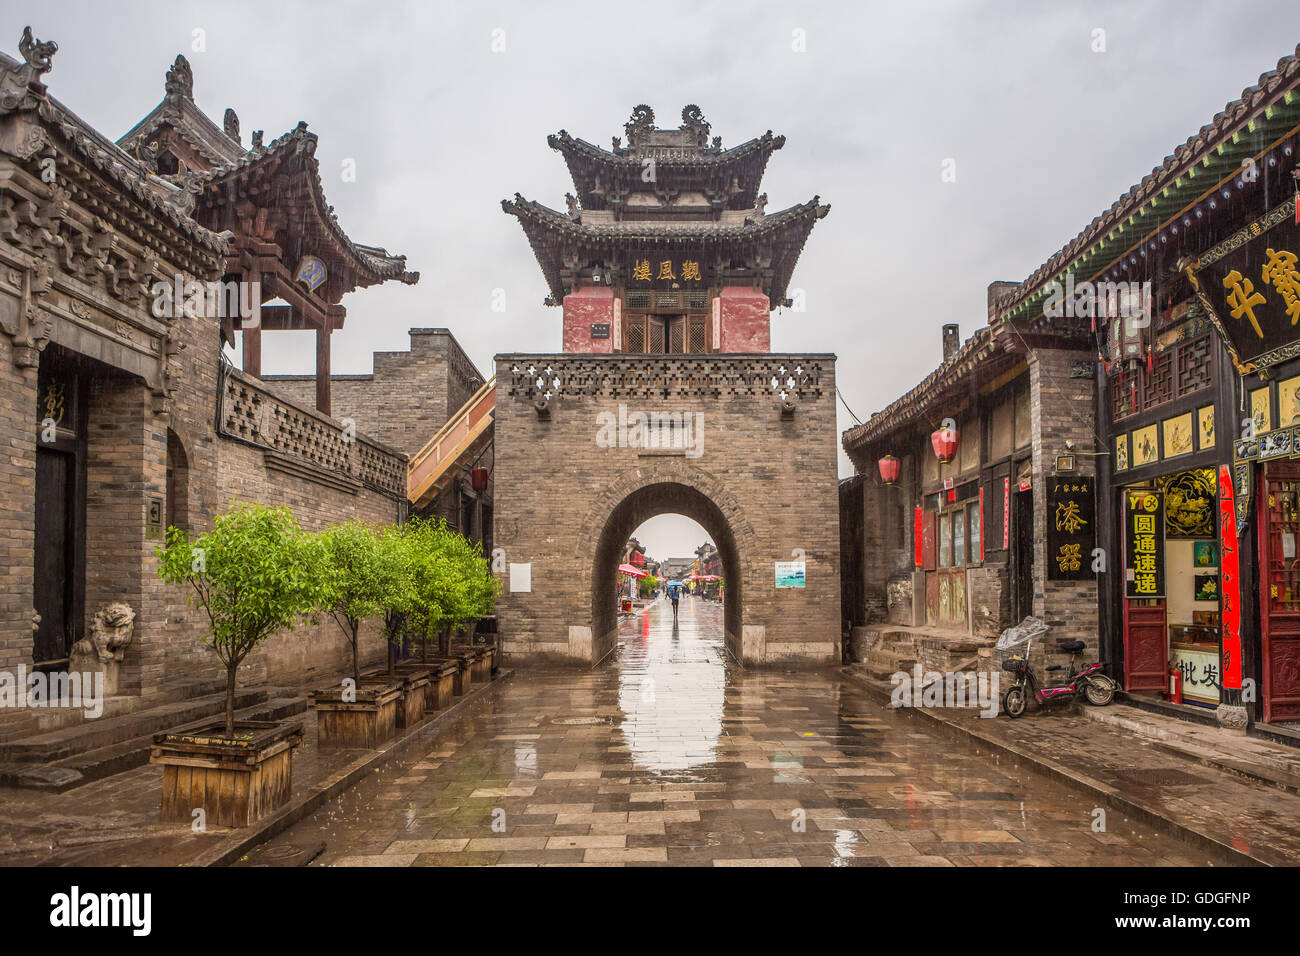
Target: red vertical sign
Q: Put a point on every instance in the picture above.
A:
(918, 536)
(981, 523)
(1006, 512)
(1230, 584)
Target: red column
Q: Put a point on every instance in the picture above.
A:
(323, 370)
(583, 309)
(745, 320)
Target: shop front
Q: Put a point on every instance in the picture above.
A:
(1172, 593)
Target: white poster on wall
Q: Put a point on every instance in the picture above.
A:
(521, 577)
(789, 574)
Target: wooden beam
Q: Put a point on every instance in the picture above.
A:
(323, 371)
(253, 352)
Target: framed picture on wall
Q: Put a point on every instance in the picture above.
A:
(1146, 446)
(1288, 402)
(1261, 409)
(1121, 452)
(1207, 587)
(1206, 554)
(1205, 428)
(1178, 435)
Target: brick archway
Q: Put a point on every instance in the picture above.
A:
(669, 487)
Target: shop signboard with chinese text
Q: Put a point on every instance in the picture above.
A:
(1144, 544)
(1071, 528)
(1250, 282)
(1199, 666)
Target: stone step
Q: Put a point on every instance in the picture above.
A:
(82, 768)
(106, 731)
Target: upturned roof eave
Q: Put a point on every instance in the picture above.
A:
(1274, 87)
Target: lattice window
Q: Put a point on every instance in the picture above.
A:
(656, 344)
(1183, 369)
(697, 299)
(668, 300)
(1195, 366)
(634, 334)
(1159, 381)
(697, 336)
(637, 300)
(676, 338)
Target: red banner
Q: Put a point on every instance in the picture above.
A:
(981, 523)
(1006, 512)
(918, 536)
(1230, 585)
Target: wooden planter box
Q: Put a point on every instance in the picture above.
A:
(480, 664)
(415, 689)
(443, 681)
(235, 782)
(366, 722)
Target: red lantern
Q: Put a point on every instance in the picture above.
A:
(889, 467)
(945, 444)
(478, 477)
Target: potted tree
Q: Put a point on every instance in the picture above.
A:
(253, 574)
(428, 552)
(364, 578)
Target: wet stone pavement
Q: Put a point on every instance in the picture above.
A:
(670, 756)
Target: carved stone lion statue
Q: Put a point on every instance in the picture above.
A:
(110, 634)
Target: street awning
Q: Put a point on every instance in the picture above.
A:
(631, 571)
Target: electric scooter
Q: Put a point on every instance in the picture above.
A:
(1016, 700)
(1098, 689)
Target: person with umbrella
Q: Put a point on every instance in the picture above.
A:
(674, 592)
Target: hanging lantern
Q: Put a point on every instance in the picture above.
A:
(889, 467)
(478, 477)
(945, 444)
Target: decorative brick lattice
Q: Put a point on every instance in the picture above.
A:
(251, 413)
(789, 376)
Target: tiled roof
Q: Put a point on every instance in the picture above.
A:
(108, 158)
(1253, 101)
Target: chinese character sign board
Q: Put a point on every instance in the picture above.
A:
(1251, 283)
(1229, 583)
(918, 536)
(1144, 544)
(1200, 670)
(1071, 528)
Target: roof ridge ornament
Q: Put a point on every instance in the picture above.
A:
(693, 122)
(642, 121)
(180, 78)
(20, 86)
(231, 124)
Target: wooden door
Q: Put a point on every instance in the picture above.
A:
(1279, 538)
(1146, 652)
(53, 566)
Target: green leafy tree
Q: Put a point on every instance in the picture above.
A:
(366, 575)
(256, 572)
(453, 583)
(646, 585)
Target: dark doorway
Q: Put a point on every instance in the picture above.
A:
(1022, 555)
(54, 560)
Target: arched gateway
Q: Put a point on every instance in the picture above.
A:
(671, 488)
(666, 399)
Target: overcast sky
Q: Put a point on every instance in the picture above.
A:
(1045, 134)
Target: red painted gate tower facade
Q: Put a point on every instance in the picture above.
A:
(666, 398)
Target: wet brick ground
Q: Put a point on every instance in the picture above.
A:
(668, 756)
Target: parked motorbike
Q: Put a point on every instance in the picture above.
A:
(1096, 687)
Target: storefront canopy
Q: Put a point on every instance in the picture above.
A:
(631, 571)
